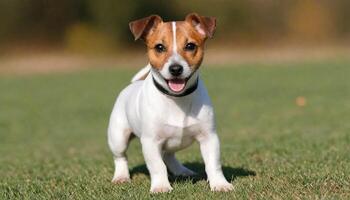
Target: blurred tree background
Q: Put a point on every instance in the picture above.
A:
(82, 25)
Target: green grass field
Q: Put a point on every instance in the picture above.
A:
(53, 135)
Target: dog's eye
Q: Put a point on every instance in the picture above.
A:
(190, 46)
(160, 48)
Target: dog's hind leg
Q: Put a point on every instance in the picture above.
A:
(118, 140)
(175, 167)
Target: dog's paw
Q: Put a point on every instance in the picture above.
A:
(221, 187)
(120, 180)
(161, 189)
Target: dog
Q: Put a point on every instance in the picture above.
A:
(167, 105)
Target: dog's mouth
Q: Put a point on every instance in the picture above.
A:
(176, 85)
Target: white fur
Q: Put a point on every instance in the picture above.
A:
(165, 125)
(173, 27)
(141, 73)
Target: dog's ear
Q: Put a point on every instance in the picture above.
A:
(204, 25)
(141, 27)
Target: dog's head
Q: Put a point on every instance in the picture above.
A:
(175, 49)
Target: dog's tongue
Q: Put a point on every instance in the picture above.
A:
(177, 85)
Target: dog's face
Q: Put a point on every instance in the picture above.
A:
(175, 49)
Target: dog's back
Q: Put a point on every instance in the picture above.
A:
(142, 74)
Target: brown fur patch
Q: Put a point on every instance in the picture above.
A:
(185, 33)
(162, 34)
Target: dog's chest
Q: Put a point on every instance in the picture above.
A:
(177, 138)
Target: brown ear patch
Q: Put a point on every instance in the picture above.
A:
(207, 25)
(140, 28)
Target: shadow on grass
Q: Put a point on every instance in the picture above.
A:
(230, 173)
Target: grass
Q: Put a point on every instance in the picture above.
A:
(53, 135)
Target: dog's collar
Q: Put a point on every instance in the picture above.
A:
(166, 92)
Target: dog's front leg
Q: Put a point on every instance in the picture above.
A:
(210, 149)
(151, 149)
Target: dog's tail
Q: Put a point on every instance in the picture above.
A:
(142, 74)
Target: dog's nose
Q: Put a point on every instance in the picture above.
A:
(176, 69)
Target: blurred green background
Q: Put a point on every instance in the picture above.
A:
(50, 36)
(102, 26)
(277, 72)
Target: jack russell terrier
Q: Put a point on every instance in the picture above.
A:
(167, 105)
